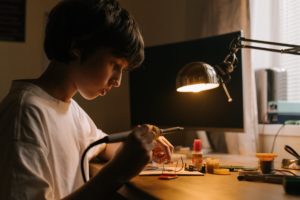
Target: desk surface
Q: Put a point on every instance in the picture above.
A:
(210, 186)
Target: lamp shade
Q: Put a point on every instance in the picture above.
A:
(196, 77)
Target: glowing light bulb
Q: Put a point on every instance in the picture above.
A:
(197, 87)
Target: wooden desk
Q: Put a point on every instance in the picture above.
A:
(211, 187)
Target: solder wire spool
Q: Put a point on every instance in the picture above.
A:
(266, 162)
(211, 164)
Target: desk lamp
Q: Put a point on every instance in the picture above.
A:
(200, 76)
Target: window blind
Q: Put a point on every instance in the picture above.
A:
(12, 20)
(289, 32)
(278, 21)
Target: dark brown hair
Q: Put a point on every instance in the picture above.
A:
(91, 24)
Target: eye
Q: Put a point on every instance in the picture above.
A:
(117, 67)
(119, 64)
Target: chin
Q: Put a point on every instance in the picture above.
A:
(89, 96)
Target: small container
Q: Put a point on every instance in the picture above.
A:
(197, 156)
(211, 164)
(266, 162)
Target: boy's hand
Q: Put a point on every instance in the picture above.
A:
(134, 153)
(162, 151)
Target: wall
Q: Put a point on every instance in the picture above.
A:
(25, 60)
(286, 135)
(160, 21)
(266, 142)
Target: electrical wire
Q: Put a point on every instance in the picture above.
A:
(285, 171)
(102, 140)
(265, 121)
(275, 138)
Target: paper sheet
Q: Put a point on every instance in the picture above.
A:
(148, 171)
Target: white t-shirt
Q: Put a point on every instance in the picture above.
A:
(41, 143)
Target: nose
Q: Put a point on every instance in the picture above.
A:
(116, 81)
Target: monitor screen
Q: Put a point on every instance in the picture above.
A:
(153, 95)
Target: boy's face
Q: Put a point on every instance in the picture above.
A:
(99, 73)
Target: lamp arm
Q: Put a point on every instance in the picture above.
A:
(283, 51)
(225, 68)
(268, 42)
(238, 44)
(229, 63)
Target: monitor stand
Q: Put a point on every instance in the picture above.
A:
(217, 141)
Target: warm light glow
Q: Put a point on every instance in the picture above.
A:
(197, 87)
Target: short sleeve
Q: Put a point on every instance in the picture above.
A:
(31, 172)
(31, 177)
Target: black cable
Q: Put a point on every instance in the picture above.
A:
(273, 145)
(102, 140)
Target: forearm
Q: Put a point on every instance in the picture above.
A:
(127, 163)
(103, 185)
(110, 151)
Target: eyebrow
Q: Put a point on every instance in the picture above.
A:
(127, 68)
(121, 66)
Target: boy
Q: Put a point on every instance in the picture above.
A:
(43, 131)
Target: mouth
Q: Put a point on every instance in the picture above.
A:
(103, 92)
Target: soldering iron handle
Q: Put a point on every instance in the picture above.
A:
(171, 130)
(118, 137)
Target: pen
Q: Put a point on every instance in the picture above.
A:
(119, 137)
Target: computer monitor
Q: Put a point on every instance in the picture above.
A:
(153, 95)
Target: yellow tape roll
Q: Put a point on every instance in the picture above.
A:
(220, 171)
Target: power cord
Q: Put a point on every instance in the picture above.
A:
(102, 140)
(275, 138)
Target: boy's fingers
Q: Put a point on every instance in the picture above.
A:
(168, 143)
(169, 147)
